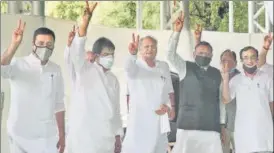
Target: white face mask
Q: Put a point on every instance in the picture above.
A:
(106, 61)
(43, 53)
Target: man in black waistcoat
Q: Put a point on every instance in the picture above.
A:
(198, 121)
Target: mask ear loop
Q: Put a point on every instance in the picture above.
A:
(34, 52)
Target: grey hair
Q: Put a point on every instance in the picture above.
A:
(147, 37)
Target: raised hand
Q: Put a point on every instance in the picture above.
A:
(268, 41)
(198, 32)
(225, 71)
(133, 46)
(17, 35)
(179, 22)
(89, 10)
(71, 36)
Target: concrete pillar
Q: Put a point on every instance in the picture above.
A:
(251, 11)
(38, 8)
(15, 7)
(164, 14)
(185, 8)
(139, 16)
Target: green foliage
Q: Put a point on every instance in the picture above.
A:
(151, 15)
(67, 10)
(4, 6)
(116, 14)
(212, 15)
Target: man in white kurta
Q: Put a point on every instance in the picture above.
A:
(149, 88)
(253, 90)
(253, 122)
(67, 58)
(94, 113)
(37, 93)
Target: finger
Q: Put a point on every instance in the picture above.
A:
(137, 41)
(19, 24)
(197, 27)
(87, 4)
(226, 67)
(182, 16)
(93, 6)
(23, 26)
(270, 36)
(223, 66)
(73, 28)
(133, 37)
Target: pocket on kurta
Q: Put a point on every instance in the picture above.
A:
(47, 83)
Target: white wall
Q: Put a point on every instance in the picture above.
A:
(121, 38)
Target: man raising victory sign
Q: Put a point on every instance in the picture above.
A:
(94, 124)
(37, 94)
(199, 120)
(151, 91)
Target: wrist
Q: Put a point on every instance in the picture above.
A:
(62, 135)
(117, 137)
(14, 44)
(225, 80)
(265, 48)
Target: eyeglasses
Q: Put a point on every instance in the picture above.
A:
(49, 45)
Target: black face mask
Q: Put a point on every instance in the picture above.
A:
(202, 60)
(250, 70)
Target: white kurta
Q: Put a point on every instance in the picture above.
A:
(69, 66)
(94, 112)
(253, 122)
(148, 88)
(267, 68)
(37, 92)
(192, 141)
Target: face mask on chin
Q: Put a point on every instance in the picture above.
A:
(202, 60)
(250, 70)
(43, 53)
(106, 61)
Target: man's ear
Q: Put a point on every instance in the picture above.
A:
(33, 46)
